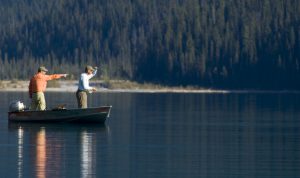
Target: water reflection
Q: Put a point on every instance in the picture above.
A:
(88, 154)
(168, 135)
(20, 151)
(52, 149)
(41, 153)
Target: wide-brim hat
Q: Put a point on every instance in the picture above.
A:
(89, 68)
(42, 68)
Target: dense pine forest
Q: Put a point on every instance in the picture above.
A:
(212, 43)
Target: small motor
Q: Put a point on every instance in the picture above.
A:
(16, 106)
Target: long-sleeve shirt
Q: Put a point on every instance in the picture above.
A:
(84, 81)
(38, 82)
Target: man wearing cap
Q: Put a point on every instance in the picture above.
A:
(37, 87)
(84, 87)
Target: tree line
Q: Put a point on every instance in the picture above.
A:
(211, 43)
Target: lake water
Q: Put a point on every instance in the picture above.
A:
(159, 135)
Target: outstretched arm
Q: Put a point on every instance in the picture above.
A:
(55, 76)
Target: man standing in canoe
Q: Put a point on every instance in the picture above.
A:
(84, 87)
(37, 87)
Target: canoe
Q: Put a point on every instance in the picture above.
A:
(97, 114)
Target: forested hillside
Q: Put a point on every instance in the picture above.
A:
(213, 43)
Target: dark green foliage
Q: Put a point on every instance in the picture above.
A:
(215, 43)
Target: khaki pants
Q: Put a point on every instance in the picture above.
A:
(38, 101)
(81, 99)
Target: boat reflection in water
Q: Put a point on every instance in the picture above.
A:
(48, 158)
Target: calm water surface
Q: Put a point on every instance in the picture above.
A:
(159, 135)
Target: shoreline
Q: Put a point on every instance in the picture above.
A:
(165, 91)
(200, 91)
(123, 86)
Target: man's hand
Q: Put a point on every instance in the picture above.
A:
(91, 90)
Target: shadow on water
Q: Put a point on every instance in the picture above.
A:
(66, 127)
